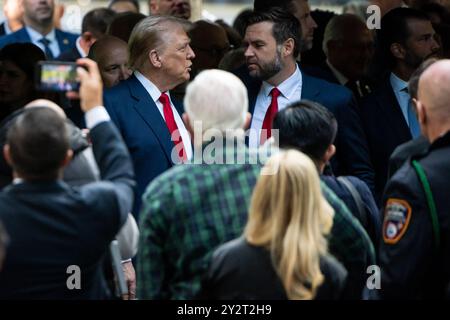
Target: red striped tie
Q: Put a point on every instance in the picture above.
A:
(270, 114)
(172, 126)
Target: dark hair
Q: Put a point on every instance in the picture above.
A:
(123, 24)
(306, 126)
(240, 22)
(413, 83)
(266, 5)
(38, 141)
(134, 2)
(97, 21)
(394, 29)
(285, 25)
(436, 8)
(23, 55)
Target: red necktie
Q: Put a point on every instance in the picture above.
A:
(270, 114)
(172, 125)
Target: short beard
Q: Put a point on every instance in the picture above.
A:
(270, 69)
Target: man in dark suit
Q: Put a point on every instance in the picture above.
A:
(93, 27)
(59, 235)
(274, 80)
(141, 106)
(348, 47)
(39, 29)
(13, 12)
(406, 38)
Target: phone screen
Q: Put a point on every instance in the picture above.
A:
(58, 77)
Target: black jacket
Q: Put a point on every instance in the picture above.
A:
(240, 271)
(53, 226)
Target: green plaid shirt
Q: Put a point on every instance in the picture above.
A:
(191, 209)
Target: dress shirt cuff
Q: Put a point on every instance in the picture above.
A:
(95, 116)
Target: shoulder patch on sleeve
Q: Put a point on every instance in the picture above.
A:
(397, 215)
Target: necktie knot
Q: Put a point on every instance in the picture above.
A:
(45, 41)
(164, 99)
(275, 93)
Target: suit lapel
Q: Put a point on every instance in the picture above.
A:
(309, 90)
(392, 112)
(23, 36)
(149, 112)
(63, 41)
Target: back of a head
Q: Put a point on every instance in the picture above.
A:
(289, 216)
(38, 143)
(285, 25)
(133, 3)
(218, 99)
(306, 126)
(122, 25)
(97, 21)
(103, 45)
(240, 22)
(413, 82)
(434, 91)
(23, 55)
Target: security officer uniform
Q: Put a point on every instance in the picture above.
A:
(414, 254)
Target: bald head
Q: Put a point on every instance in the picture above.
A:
(47, 104)
(433, 106)
(111, 55)
(434, 91)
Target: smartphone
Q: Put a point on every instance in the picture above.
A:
(57, 76)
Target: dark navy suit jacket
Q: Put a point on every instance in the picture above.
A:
(143, 130)
(66, 40)
(352, 153)
(385, 128)
(53, 226)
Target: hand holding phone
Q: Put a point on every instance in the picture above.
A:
(91, 86)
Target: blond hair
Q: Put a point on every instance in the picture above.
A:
(149, 34)
(290, 217)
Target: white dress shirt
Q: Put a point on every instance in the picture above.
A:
(7, 28)
(155, 94)
(36, 36)
(291, 91)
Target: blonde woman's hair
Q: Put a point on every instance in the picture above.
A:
(290, 217)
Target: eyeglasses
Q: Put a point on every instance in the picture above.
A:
(214, 51)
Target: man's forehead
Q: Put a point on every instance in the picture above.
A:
(260, 28)
(420, 27)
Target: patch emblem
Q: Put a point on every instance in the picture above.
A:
(396, 220)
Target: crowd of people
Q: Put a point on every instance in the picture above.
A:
(282, 157)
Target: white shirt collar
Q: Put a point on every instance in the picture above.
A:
(7, 28)
(36, 36)
(152, 90)
(339, 76)
(287, 87)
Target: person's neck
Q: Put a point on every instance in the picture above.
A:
(402, 71)
(159, 80)
(15, 24)
(437, 131)
(284, 74)
(43, 28)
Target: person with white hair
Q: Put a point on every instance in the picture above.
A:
(191, 209)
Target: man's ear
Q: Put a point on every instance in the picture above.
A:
(7, 154)
(288, 47)
(154, 58)
(421, 112)
(67, 159)
(89, 38)
(329, 153)
(398, 51)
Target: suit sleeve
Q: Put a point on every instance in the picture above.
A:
(352, 144)
(114, 164)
